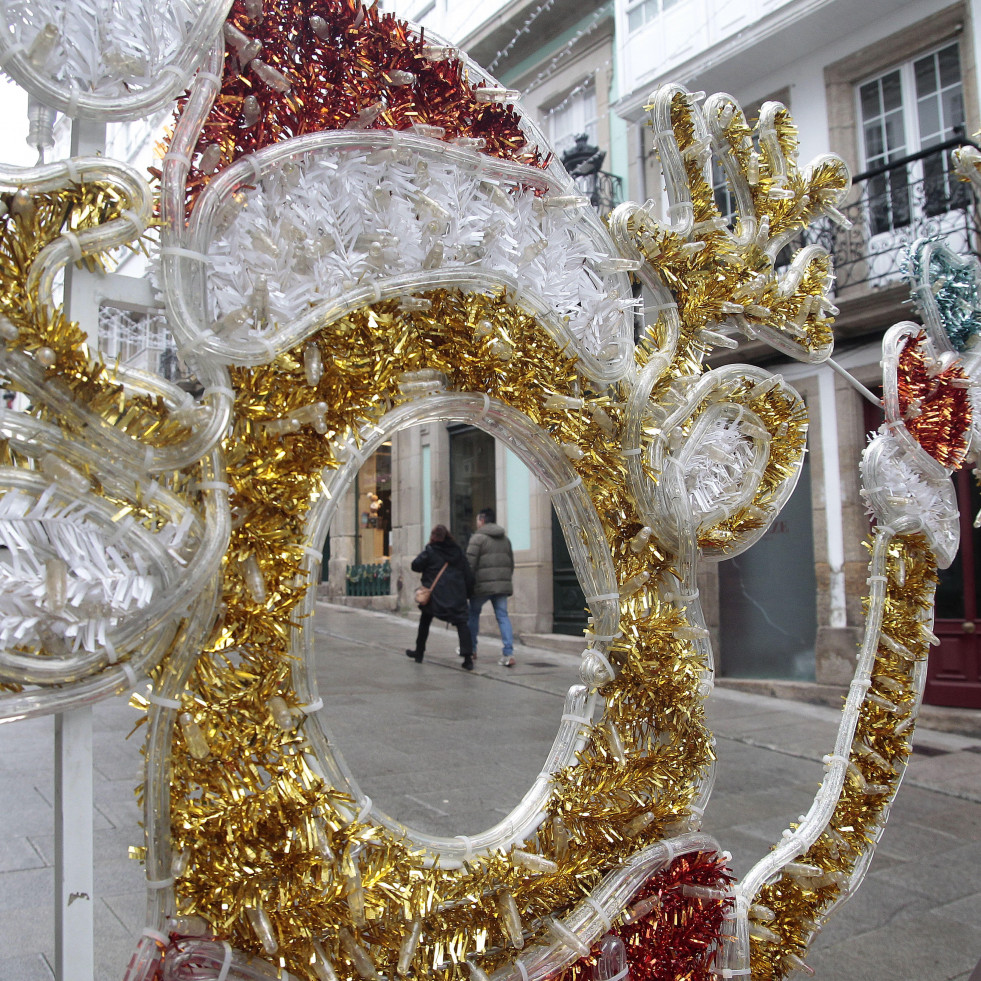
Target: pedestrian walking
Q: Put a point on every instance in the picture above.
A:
(492, 560)
(449, 581)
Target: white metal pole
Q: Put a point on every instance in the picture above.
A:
(828, 410)
(74, 874)
(73, 764)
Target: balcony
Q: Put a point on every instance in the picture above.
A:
(604, 190)
(889, 207)
(583, 161)
(723, 45)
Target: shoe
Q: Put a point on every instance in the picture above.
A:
(468, 664)
(506, 661)
(415, 657)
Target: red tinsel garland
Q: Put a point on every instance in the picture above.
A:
(678, 939)
(935, 410)
(340, 74)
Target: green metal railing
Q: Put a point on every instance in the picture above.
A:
(369, 579)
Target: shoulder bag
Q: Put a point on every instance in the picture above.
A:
(423, 594)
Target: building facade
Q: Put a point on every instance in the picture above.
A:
(891, 87)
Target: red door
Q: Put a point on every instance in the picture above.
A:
(954, 668)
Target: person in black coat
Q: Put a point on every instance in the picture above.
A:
(449, 599)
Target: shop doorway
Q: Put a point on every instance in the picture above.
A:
(568, 600)
(767, 614)
(954, 669)
(373, 502)
(472, 479)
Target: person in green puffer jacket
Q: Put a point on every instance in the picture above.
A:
(491, 558)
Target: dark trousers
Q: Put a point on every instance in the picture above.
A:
(462, 629)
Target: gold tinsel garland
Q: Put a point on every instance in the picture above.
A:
(706, 281)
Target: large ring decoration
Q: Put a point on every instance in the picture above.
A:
(360, 233)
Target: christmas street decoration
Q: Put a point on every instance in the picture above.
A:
(360, 232)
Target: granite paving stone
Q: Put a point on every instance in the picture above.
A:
(17, 854)
(25, 928)
(32, 967)
(941, 882)
(449, 751)
(925, 947)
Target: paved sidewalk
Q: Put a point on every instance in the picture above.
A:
(449, 751)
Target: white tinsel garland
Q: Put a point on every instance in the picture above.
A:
(896, 491)
(102, 45)
(716, 472)
(311, 232)
(61, 576)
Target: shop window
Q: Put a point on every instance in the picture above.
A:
(374, 507)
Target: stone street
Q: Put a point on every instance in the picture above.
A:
(449, 752)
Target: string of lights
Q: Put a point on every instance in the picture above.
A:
(524, 29)
(564, 51)
(590, 79)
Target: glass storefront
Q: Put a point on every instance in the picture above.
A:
(373, 541)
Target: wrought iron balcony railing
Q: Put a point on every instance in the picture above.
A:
(604, 190)
(583, 161)
(889, 207)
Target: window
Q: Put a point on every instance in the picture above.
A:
(575, 115)
(374, 508)
(903, 111)
(725, 200)
(644, 11)
(140, 340)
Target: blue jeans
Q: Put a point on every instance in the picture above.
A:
(500, 604)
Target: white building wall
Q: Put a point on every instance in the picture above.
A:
(450, 18)
(750, 48)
